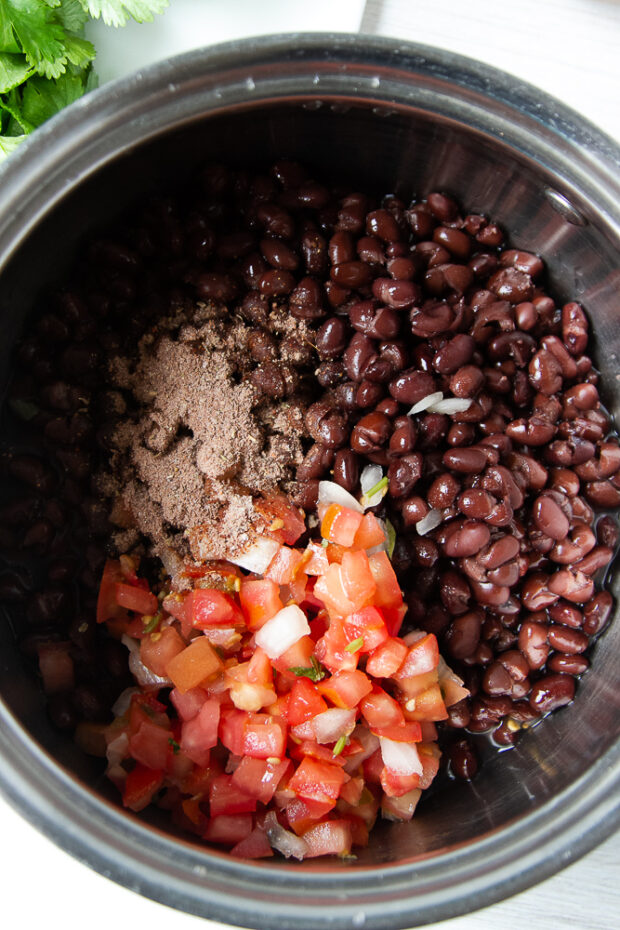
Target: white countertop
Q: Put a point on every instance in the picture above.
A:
(568, 48)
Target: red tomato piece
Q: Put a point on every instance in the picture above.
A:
(259, 778)
(308, 747)
(331, 648)
(264, 737)
(379, 709)
(190, 668)
(299, 655)
(372, 768)
(340, 524)
(284, 565)
(151, 744)
(422, 657)
(317, 564)
(286, 522)
(330, 590)
(386, 659)
(388, 592)
(397, 785)
(260, 601)
(199, 734)
(108, 607)
(357, 580)
(317, 781)
(304, 702)
(209, 607)
(411, 687)
(225, 797)
(157, 649)
(369, 534)
(401, 808)
(254, 846)
(429, 757)
(429, 705)
(329, 838)
(137, 599)
(351, 791)
(408, 731)
(141, 785)
(366, 624)
(189, 703)
(302, 813)
(394, 617)
(346, 688)
(231, 729)
(230, 829)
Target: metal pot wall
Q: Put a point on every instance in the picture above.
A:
(386, 116)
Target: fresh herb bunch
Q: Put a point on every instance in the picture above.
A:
(45, 61)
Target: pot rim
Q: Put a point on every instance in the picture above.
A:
(53, 162)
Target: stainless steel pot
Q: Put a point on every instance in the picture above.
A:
(391, 116)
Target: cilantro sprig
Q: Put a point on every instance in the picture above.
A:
(45, 61)
(314, 672)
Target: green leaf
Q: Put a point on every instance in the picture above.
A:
(14, 70)
(315, 672)
(117, 12)
(43, 98)
(80, 52)
(40, 39)
(18, 124)
(8, 144)
(70, 14)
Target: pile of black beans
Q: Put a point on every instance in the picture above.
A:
(405, 299)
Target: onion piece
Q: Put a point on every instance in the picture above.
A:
(369, 742)
(400, 758)
(426, 402)
(331, 724)
(282, 631)
(123, 701)
(332, 493)
(283, 840)
(451, 405)
(117, 749)
(369, 479)
(256, 558)
(432, 519)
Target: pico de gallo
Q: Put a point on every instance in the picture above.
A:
(276, 710)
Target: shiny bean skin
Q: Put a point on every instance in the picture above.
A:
(454, 355)
(465, 460)
(371, 433)
(568, 664)
(464, 634)
(443, 491)
(331, 338)
(463, 760)
(566, 640)
(550, 518)
(551, 692)
(403, 474)
(411, 386)
(468, 540)
(597, 613)
(346, 469)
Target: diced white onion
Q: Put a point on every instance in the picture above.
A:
(332, 493)
(143, 675)
(432, 519)
(256, 558)
(330, 725)
(117, 749)
(369, 743)
(451, 405)
(282, 631)
(400, 758)
(370, 477)
(121, 704)
(426, 402)
(283, 840)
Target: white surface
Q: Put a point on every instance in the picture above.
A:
(567, 47)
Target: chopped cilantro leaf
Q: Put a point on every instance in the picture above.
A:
(315, 672)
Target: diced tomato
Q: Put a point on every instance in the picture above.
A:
(330, 590)
(108, 607)
(150, 744)
(340, 524)
(301, 813)
(422, 657)
(259, 778)
(369, 534)
(299, 655)
(411, 687)
(231, 730)
(331, 648)
(351, 791)
(137, 599)
(264, 737)
(429, 705)
(394, 617)
(286, 522)
(225, 797)
(429, 757)
(259, 669)
(452, 691)
(346, 688)
(260, 601)
(199, 734)
(141, 785)
(304, 702)
(157, 649)
(359, 830)
(406, 732)
(198, 781)
(329, 838)
(208, 607)
(230, 829)
(197, 663)
(254, 846)
(386, 659)
(372, 767)
(396, 785)
(189, 703)
(358, 582)
(284, 564)
(379, 709)
(388, 592)
(429, 731)
(317, 564)
(401, 808)
(317, 781)
(309, 747)
(368, 625)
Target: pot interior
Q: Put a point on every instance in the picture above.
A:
(406, 151)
